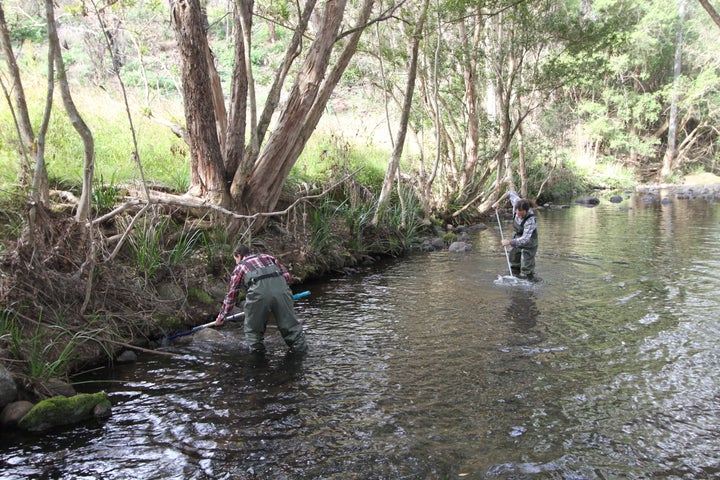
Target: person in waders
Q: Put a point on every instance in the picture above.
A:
(266, 282)
(525, 239)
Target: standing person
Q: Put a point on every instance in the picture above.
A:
(525, 239)
(266, 282)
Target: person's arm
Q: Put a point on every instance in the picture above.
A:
(524, 239)
(284, 271)
(514, 197)
(511, 194)
(499, 200)
(231, 297)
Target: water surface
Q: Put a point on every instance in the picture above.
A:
(429, 367)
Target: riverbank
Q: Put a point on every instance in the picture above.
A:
(134, 312)
(427, 368)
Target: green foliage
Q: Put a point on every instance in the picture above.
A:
(357, 219)
(49, 350)
(11, 331)
(216, 246)
(43, 362)
(12, 218)
(557, 179)
(104, 197)
(145, 244)
(23, 28)
(147, 240)
(322, 221)
(329, 158)
(200, 296)
(53, 349)
(186, 244)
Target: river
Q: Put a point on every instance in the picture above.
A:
(434, 366)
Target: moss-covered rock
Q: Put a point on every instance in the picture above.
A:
(200, 296)
(60, 410)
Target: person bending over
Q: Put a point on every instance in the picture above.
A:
(524, 243)
(266, 282)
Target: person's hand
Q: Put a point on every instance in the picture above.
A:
(219, 320)
(506, 242)
(495, 205)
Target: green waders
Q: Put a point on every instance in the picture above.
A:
(270, 294)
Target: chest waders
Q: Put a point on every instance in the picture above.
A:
(522, 259)
(268, 292)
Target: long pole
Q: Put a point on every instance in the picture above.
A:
(502, 237)
(237, 316)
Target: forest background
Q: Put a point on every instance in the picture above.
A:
(327, 133)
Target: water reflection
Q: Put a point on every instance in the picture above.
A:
(426, 368)
(522, 309)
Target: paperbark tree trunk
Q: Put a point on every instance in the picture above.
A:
(393, 166)
(32, 147)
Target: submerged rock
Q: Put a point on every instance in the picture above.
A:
(459, 247)
(587, 200)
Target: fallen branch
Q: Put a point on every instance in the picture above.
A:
(187, 202)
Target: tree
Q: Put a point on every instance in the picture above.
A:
(31, 146)
(399, 142)
(670, 152)
(249, 178)
(711, 11)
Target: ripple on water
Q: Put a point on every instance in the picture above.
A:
(425, 368)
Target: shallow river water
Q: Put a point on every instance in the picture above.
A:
(431, 367)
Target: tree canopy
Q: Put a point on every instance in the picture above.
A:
(482, 93)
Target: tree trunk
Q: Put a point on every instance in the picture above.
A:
(670, 153)
(393, 166)
(206, 165)
(470, 72)
(303, 110)
(83, 210)
(711, 11)
(30, 145)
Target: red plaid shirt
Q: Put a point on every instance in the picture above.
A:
(247, 265)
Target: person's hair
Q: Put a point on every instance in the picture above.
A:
(241, 250)
(525, 205)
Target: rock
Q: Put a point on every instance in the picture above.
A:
(58, 411)
(127, 356)
(588, 200)
(476, 228)
(464, 237)
(102, 410)
(208, 335)
(13, 412)
(459, 247)
(57, 387)
(616, 199)
(8, 389)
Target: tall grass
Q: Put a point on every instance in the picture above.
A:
(186, 244)
(48, 351)
(11, 331)
(329, 157)
(104, 197)
(164, 156)
(323, 219)
(147, 241)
